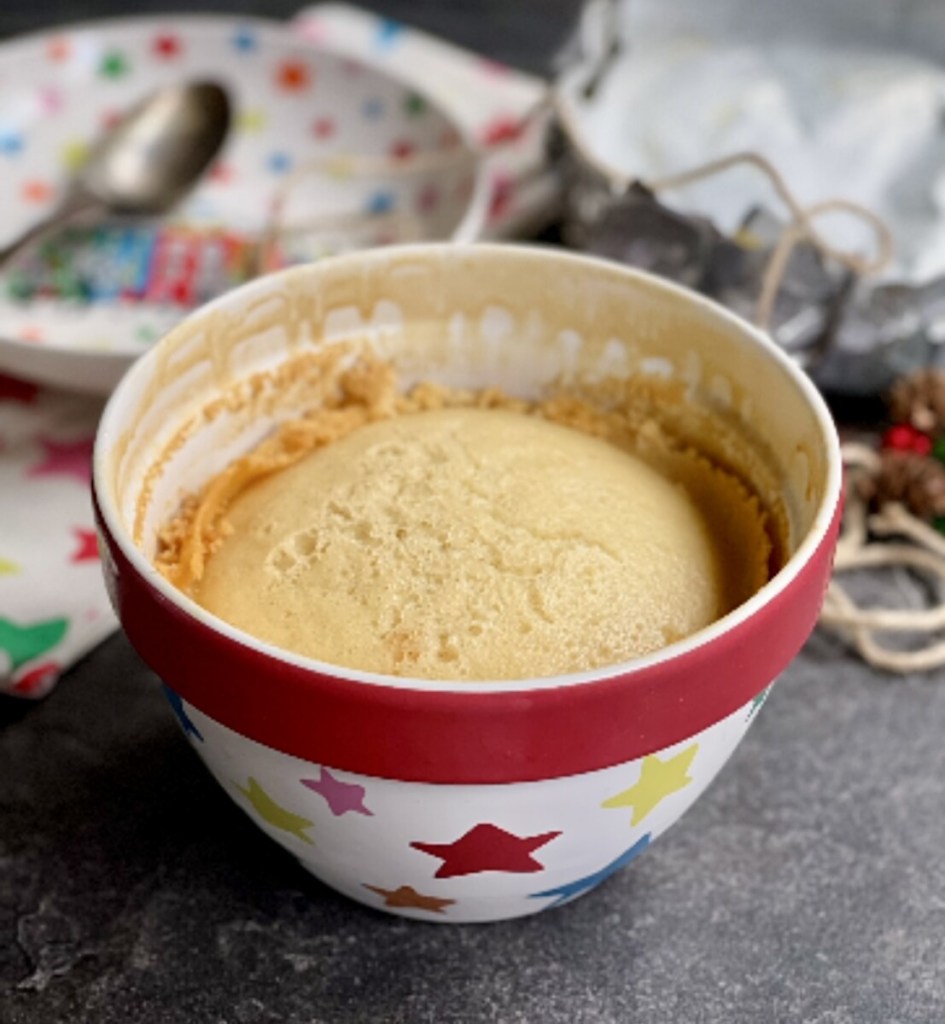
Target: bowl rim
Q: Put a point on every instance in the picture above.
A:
(112, 425)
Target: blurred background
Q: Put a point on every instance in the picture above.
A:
(524, 33)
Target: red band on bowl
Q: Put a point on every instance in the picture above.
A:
(501, 736)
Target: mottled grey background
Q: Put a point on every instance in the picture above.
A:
(808, 885)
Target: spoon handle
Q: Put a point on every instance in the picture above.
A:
(73, 204)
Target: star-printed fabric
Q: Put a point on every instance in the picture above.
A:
(53, 606)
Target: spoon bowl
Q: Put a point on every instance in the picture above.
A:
(159, 150)
(144, 165)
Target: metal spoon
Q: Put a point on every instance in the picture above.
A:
(147, 162)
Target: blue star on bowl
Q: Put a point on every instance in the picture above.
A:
(571, 890)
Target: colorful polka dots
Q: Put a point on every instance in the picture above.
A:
(73, 154)
(324, 127)
(380, 202)
(251, 121)
(388, 33)
(36, 191)
(415, 105)
(279, 162)
(51, 99)
(294, 76)
(167, 46)
(402, 149)
(245, 40)
(114, 65)
(11, 143)
(58, 49)
(296, 110)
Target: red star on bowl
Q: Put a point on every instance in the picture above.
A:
(487, 847)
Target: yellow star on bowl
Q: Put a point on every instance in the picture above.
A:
(658, 780)
(273, 813)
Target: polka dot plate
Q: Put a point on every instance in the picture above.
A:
(325, 153)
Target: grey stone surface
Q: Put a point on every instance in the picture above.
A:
(807, 885)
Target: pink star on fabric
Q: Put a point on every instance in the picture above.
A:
(340, 796)
(66, 458)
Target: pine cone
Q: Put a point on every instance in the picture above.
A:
(919, 399)
(913, 480)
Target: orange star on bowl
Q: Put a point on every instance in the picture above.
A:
(407, 896)
(487, 847)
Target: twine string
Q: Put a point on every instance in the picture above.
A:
(865, 544)
(800, 228)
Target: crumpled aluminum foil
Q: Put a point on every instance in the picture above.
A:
(854, 336)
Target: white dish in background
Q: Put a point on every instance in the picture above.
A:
(844, 99)
(328, 134)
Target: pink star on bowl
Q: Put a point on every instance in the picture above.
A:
(340, 796)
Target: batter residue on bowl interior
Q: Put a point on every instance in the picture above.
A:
(448, 534)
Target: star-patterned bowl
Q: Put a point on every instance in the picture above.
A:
(454, 801)
(326, 152)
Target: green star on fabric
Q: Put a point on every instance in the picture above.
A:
(274, 814)
(114, 65)
(24, 643)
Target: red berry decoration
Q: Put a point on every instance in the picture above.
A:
(903, 437)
